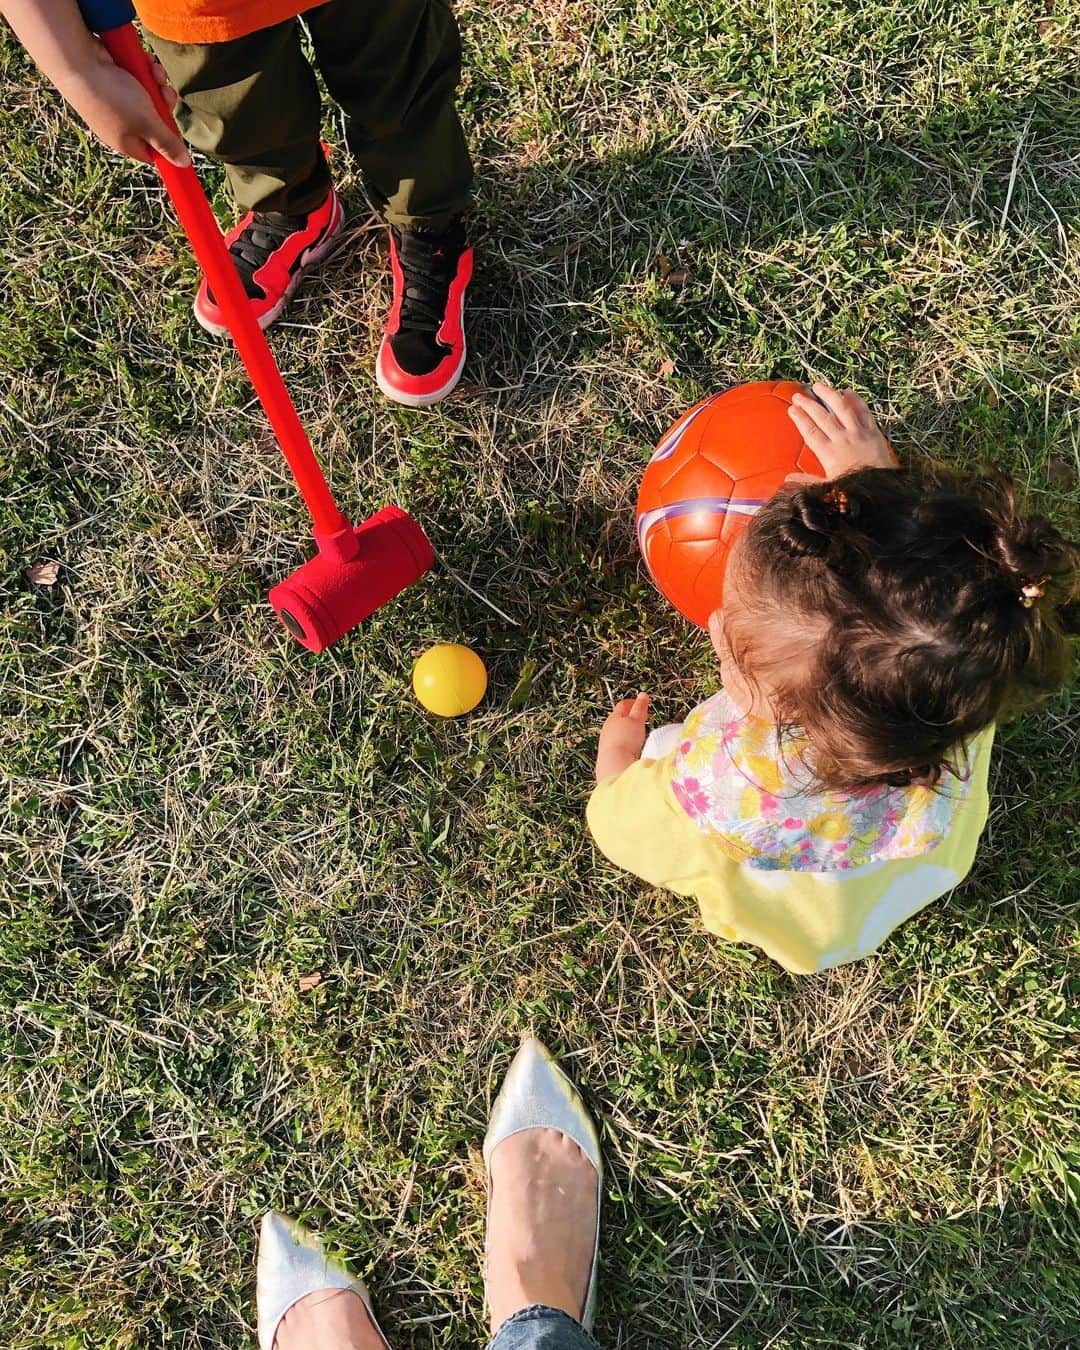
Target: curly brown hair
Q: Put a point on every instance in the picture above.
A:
(937, 607)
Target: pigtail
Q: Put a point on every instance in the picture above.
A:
(821, 521)
(1037, 573)
(1037, 563)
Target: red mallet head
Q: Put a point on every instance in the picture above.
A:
(357, 569)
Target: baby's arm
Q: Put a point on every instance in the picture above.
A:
(841, 431)
(637, 824)
(622, 737)
(111, 102)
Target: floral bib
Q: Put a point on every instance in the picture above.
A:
(759, 801)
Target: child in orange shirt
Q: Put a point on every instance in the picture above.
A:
(244, 92)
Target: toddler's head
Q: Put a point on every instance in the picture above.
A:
(892, 613)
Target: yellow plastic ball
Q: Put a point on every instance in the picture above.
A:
(449, 680)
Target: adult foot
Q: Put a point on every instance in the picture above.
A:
(305, 1300)
(541, 1224)
(329, 1319)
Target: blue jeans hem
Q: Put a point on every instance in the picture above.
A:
(539, 1327)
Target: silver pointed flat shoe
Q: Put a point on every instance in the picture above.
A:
(292, 1264)
(536, 1094)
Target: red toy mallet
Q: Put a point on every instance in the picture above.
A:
(357, 567)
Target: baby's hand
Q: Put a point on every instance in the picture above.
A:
(622, 736)
(841, 431)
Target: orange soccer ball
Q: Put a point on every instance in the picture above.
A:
(709, 474)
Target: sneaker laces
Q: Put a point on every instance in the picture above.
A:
(264, 236)
(429, 263)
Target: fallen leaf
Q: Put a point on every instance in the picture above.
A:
(311, 981)
(43, 573)
(666, 368)
(1062, 474)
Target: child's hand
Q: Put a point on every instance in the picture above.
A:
(112, 103)
(841, 431)
(622, 736)
(118, 110)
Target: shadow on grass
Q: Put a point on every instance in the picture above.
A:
(874, 1284)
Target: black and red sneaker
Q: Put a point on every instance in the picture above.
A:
(273, 252)
(423, 351)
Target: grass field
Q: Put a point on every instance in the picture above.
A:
(673, 196)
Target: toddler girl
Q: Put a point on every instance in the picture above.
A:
(875, 627)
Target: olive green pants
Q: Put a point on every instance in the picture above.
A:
(392, 65)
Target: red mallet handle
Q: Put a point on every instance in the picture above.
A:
(204, 233)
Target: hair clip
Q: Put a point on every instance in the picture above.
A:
(1031, 591)
(836, 499)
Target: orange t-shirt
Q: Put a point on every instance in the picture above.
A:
(205, 21)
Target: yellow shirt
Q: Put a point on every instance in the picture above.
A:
(814, 878)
